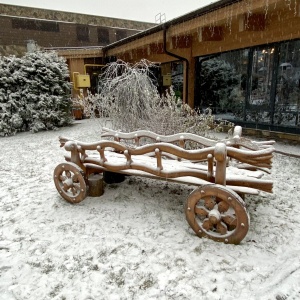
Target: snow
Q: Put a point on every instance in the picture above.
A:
(134, 242)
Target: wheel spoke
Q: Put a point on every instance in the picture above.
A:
(221, 228)
(76, 185)
(207, 225)
(74, 190)
(201, 211)
(223, 206)
(62, 178)
(75, 178)
(66, 187)
(209, 202)
(230, 221)
(68, 174)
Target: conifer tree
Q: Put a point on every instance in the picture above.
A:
(34, 93)
(12, 106)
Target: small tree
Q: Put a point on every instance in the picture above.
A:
(35, 93)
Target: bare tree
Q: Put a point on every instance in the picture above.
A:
(130, 100)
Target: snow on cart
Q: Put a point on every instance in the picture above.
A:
(223, 171)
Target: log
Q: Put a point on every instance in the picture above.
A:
(95, 185)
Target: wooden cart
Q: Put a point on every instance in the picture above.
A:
(223, 172)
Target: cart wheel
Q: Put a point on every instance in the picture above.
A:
(70, 182)
(218, 213)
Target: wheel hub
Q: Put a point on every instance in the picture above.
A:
(214, 216)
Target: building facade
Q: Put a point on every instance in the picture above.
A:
(255, 43)
(22, 27)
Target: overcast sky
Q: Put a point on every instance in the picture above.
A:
(139, 10)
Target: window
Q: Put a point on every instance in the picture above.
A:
(31, 24)
(287, 100)
(258, 86)
(120, 34)
(222, 84)
(258, 105)
(83, 33)
(103, 36)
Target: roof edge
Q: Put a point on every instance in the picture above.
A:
(191, 15)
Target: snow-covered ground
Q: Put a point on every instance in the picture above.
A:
(134, 242)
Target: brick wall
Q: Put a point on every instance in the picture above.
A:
(64, 35)
(29, 12)
(59, 29)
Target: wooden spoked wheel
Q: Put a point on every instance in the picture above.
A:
(70, 182)
(215, 212)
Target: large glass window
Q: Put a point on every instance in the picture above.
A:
(259, 86)
(222, 84)
(287, 101)
(258, 105)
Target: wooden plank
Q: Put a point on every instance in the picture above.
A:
(224, 15)
(193, 181)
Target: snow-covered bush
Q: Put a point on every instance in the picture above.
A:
(34, 93)
(130, 100)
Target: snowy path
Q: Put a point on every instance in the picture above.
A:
(134, 241)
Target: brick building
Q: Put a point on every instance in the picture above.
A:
(20, 26)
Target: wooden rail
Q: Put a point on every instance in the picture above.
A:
(116, 157)
(181, 138)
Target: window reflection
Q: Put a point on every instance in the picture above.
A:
(258, 107)
(287, 102)
(223, 82)
(259, 86)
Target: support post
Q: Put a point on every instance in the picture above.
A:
(220, 154)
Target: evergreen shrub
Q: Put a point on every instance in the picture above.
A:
(34, 93)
